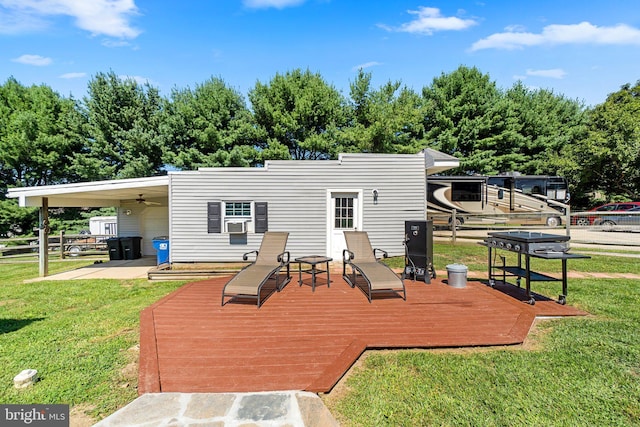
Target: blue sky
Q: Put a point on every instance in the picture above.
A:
(581, 49)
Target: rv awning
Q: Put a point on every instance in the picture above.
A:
(437, 162)
(93, 194)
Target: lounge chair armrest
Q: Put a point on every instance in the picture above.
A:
(284, 258)
(384, 253)
(246, 256)
(350, 254)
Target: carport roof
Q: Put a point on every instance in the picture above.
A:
(92, 194)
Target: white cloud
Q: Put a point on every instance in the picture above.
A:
(366, 65)
(37, 60)
(554, 73)
(138, 79)
(582, 33)
(115, 43)
(17, 22)
(106, 17)
(430, 20)
(276, 4)
(73, 75)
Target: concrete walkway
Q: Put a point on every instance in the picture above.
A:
(271, 409)
(115, 269)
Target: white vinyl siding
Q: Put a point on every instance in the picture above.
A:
(296, 194)
(143, 221)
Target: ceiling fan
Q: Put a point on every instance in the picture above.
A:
(140, 199)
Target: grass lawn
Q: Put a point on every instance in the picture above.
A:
(82, 337)
(572, 372)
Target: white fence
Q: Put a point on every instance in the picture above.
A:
(608, 228)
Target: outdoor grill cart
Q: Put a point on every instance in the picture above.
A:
(528, 244)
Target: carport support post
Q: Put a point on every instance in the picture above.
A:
(44, 238)
(61, 244)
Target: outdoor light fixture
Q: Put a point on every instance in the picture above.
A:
(127, 212)
(375, 196)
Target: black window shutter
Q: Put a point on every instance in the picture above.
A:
(214, 217)
(262, 217)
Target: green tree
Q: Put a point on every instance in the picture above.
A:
(608, 160)
(209, 126)
(39, 132)
(462, 118)
(494, 131)
(300, 115)
(387, 120)
(545, 124)
(15, 220)
(124, 127)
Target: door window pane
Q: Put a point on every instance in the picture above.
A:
(344, 212)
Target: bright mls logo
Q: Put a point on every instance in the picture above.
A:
(34, 415)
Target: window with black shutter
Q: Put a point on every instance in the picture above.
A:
(232, 217)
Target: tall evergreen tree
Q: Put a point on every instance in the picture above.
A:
(123, 125)
(300, 114)
(545, 124)
(386, 120)
(209, 126)
(39, 132)
(461, 118)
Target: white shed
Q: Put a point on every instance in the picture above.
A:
(217, 214)
(103, 225)
(220, 213)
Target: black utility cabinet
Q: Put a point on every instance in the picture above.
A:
(131, 247)
(419, 251)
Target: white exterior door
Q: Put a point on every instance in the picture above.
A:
(345, 213)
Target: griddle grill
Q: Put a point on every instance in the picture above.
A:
(530, 244)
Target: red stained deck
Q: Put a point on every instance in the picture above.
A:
(304, 340)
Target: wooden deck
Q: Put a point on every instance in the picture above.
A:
(304, 340)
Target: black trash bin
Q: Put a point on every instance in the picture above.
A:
(115, 249)
(131, 247)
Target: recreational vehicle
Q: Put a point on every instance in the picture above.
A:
(523, 199)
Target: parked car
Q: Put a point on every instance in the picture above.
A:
(609, 207)
(626, 218)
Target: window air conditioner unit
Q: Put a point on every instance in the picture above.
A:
(237, 227)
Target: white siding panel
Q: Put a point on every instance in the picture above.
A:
(296, 192)
(129, 225)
